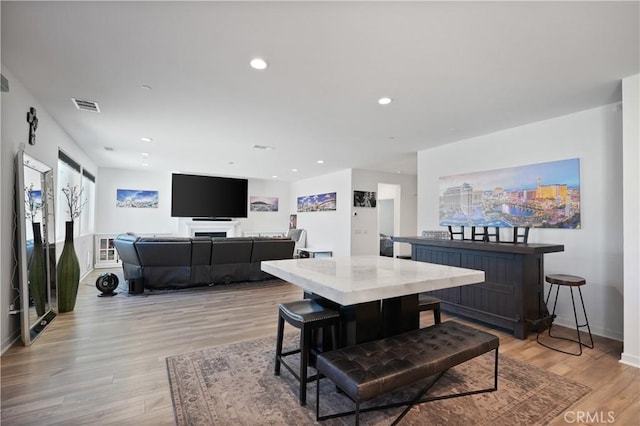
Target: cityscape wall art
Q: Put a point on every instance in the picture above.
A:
(263, 204)
(317, 203)
(543, 195)
(137, 198)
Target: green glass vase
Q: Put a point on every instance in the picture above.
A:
(68, 274)
(36, 274)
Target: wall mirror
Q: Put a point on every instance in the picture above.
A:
(36, 245)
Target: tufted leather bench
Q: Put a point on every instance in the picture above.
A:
(369, 370)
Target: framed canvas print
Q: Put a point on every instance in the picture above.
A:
(137, 198)
(542, 195)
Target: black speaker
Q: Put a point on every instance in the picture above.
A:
(107, 283)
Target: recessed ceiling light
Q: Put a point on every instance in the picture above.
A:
(146, 139)
(258, 63)
(145, 87)
(231, 162)
(145, 154)
(263, 147)
(294, 170)
(275, 176)
(320, 161)
(145, 164)
(384, 101)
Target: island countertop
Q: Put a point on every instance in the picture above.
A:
(503, 247)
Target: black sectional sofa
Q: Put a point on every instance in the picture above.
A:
(174, 262)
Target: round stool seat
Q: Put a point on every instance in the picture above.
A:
(306, 312)
(562, 279)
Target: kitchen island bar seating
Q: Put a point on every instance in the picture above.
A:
(571, 281)
(309, 317)
(512, 294)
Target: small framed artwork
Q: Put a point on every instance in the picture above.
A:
(317, 203)
(293, 221)
(137, 198)
(364, 199)
(263, 204)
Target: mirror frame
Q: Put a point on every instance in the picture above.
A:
(30, 331)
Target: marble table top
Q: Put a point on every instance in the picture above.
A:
(349, 280)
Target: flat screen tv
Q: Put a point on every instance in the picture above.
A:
(208, 196)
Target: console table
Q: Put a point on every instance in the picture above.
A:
(511, 296)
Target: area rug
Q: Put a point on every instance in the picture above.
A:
(235, 385)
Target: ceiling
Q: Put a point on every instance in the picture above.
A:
(453, 69)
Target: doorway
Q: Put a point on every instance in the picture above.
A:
(388, 216)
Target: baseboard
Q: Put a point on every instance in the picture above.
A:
(595, 330)
(632, 360)
(10, 341)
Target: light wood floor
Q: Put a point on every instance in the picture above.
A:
(104, 363)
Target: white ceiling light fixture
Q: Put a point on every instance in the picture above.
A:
(385, 100)
(263, 147)
(320, 161)
(258, 64)
(294, 170)
(145, 87)
(145, 139)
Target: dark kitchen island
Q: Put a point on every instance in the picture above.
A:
(511, 296)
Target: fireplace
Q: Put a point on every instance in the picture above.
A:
(197, 228)
(210, 234)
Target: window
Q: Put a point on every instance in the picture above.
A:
(71, 173)
(87, 217)
(68, 174)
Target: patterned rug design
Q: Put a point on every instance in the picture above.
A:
(235, 385)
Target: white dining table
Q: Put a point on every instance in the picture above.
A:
(349, 280)
(372, 292)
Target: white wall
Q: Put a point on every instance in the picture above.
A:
(342, 231)
(328, 230)
(114, 220)
(595, 251)
(49, 137)
(631, 209)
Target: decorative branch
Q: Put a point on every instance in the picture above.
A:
(32, 204)
(75, 202)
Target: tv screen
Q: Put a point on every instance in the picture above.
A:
(208, 196)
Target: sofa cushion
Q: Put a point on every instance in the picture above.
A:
(164, 251)
(272, 249)
(231, 251)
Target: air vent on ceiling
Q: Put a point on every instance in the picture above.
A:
(86, 105)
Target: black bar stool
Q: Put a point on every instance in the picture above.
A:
(429, 303)
(570, 281)
(308, 316)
